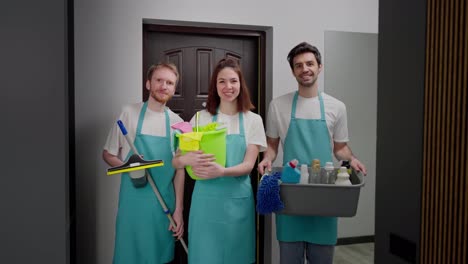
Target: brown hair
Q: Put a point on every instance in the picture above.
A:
(169, 65)
(243, 100)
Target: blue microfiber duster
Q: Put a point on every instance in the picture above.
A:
(268, 194)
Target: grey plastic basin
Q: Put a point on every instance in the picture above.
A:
(321, 199)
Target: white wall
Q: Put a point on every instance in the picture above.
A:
(108, 56)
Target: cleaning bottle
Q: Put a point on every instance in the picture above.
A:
(290, 173)
(304, 174)
(343, 177)
(328, 173)
(347, 164)
(315, 177)
(315, 162)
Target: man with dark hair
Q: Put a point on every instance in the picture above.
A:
(310, 125)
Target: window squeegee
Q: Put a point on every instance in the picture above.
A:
(134, 163)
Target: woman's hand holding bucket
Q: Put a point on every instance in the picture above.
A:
(196, 158)
(210, 170)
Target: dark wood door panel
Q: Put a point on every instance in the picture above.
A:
(195, 56)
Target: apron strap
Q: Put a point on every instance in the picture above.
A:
(294, 104)
(241, 121)
(141, 117)
(322, 108)
(168, 126)
(241, 124)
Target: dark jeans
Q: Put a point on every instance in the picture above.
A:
(293, 253)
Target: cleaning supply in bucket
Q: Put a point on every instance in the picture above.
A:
(315, 162)
(189, 141)
(343, 177)
(328, 175)
(268, 194)
(304, 174)
(347, 164)
(183, 127)
(315, 176)
(290, 173)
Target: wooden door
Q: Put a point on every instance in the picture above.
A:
(196, 54)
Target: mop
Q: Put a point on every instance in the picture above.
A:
(268, 194)
(134, 163)
(153, 185)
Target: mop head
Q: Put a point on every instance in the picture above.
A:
(268, 194)
(134, 163)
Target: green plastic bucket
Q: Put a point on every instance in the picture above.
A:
(212, 142)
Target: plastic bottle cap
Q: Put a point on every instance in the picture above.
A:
(292, 165)
(345, 163)
(329, 165)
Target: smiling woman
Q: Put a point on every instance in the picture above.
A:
(228, 84)
(222, 217)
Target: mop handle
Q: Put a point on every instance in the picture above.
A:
(125, 133)
(153, 185)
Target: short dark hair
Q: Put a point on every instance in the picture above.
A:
(168, 65)
(243, 100)
(301, 48)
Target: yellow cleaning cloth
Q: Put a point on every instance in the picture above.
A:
(190, 141)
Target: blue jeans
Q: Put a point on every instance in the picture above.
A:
(293, 253)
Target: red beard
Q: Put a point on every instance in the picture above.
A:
(161, 98)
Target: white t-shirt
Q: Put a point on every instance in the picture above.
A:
(279, 116)
(154, 124)
(253, 126)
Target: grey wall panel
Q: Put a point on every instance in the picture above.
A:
(34, 132)
(350, 73)
(400, 127)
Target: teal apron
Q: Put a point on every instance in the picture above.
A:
(142, 235)
(222, 216)
(307, 139)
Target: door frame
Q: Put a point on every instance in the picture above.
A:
(264, 35)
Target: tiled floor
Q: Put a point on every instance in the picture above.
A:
(354, 254)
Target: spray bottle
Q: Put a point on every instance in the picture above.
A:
(291, 173)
